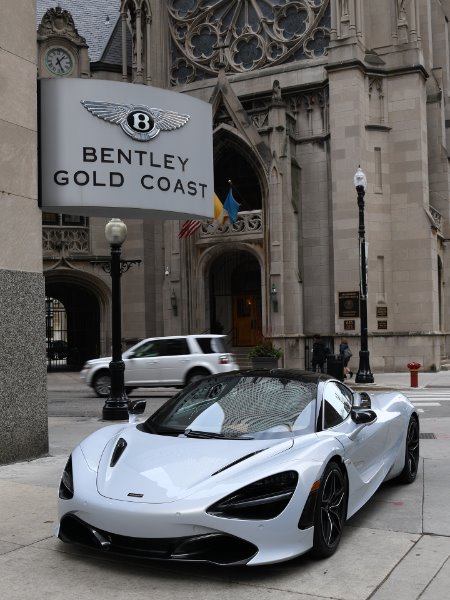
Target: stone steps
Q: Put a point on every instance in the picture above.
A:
(241, 356)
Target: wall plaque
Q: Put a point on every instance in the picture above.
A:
(382, 324)
(382, 311)
(349, 324)
(348, 305)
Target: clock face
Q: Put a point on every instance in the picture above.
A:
(58, 61)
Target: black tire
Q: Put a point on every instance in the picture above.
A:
(195, 375)
(411, 467)
(102, 384)
(330, 512)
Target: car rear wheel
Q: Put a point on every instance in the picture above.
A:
(102, 384)
(411, 467)
(331, 506)
(195, 375)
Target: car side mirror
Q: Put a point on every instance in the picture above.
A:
(363, 416)
(137, 407)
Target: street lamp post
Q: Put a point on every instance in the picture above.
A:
(364, 374)
(116, 405)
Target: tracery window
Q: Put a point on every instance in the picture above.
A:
(244, 35)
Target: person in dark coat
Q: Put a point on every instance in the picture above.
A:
(319, 354)
(346, 354)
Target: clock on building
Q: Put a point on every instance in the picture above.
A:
(59, 61)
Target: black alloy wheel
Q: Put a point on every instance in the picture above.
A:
(411, 467)
(330, 511)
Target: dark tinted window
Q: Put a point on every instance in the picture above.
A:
(149, 349)
(210, 345)
(176, 347)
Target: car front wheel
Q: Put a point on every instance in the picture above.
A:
(331, 506)
(411, 467)
(102, 384)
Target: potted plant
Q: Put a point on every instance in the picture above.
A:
(265, 355)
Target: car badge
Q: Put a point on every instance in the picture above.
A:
(135, 495)
(137, 120)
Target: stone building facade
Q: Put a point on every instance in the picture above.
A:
(302, 93)
(23, 399)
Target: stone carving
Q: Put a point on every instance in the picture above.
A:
(276, 92)
(245, 35)
(401, 8)
(60, 22)
(248, 223)
(59, 240)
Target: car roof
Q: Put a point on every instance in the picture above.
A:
(298, 374)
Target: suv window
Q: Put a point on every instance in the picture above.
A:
(210, 345)
(149, 349)
(176, 347)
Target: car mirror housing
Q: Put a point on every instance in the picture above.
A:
(363, 416)
(137, 407)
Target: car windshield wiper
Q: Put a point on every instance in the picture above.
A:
(213, 435)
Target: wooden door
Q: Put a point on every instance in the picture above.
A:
(246, 320)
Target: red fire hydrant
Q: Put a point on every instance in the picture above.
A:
(414, 373)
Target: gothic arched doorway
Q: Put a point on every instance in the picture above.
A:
(72, 324)
(235, 297)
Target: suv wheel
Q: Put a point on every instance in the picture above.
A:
(195, 375)
(102, 384)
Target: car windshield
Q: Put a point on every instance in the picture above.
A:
(239, 407)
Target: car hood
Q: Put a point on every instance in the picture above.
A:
(100, 361)
(157, 469)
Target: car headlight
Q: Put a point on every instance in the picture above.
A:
(66, 485)
(263, 499)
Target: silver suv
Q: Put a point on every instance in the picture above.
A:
(163, 362)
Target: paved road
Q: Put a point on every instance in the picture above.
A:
(431, 402)
(398, 546)
(69, 396)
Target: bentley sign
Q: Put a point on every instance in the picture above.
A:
(124, 150)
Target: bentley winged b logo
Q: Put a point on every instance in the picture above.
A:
(137, 120)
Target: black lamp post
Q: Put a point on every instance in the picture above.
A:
(116, 405)
(364, 374)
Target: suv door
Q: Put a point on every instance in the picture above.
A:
(176, 360)
(143, 368)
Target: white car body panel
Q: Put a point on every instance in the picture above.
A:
(174, 480)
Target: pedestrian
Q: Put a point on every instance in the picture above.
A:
(319, 354)
(346, 353)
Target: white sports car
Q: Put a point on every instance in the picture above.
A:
(248, 467)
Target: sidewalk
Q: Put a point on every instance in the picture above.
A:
(398, 546)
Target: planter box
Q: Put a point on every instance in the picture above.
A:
(264, 362)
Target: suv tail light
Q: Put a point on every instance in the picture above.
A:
(224, 359)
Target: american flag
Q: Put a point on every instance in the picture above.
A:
(188, 228)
